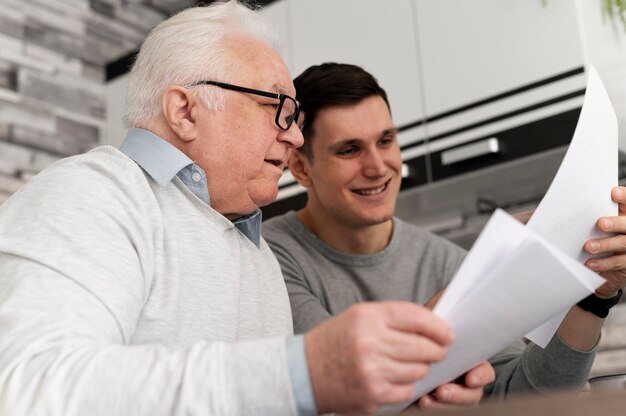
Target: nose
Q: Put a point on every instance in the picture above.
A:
(292, 137)
(374, 163)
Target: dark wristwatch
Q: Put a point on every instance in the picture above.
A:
(599, 306)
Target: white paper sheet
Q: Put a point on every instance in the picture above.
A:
(517, 278)
(581, 190)
(499, 293)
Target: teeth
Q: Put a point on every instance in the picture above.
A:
(370, 191)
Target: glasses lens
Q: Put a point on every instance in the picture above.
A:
(300, 120)
(286, 113)
(289, 112)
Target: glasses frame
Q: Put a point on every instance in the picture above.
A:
(282, 97)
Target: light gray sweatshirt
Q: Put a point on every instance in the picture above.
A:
(416, 264)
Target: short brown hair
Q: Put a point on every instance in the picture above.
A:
(332, 84)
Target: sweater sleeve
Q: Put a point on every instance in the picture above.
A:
(76, 253)
(523, 369)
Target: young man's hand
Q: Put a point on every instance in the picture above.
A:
(467, 392)
(613, 266)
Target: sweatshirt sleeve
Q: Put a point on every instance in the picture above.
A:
(76, 252)
(523, 369)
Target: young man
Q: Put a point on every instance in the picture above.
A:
(345, 246)
(135, 281)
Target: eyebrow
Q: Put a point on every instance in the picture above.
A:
(279, 89)
(347, 142)
(386, 132)
(354, 141)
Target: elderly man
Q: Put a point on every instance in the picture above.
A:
(345, 246)
(135, 281)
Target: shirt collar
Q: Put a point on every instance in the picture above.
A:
(250, 226)
(158, 158)
(163, 162)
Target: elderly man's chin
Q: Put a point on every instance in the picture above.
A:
(263, 192)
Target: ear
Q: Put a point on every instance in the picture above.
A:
(299, 167)
(178, 109)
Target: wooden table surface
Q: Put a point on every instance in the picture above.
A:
(584, 404)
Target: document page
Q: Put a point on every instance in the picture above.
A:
(581, 190)
(520, 279)
(508, 284)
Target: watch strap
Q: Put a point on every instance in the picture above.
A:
(599, 306)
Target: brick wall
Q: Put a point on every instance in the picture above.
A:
(53, 55)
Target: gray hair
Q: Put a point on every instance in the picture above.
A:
(188, 47)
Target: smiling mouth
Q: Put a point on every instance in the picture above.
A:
(372, 191)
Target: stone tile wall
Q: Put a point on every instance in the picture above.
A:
(53, 55)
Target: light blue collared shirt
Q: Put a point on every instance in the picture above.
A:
(163, 162)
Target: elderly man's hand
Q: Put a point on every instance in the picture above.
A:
(613, 267)
(467, 392)
(371, 354)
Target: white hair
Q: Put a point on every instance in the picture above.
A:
(189, 47)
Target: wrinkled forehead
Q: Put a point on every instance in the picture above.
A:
(258, 65)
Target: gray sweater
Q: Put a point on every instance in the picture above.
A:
(120, 296)
(414, 266)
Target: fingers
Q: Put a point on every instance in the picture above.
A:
(458, 394)
(524, 216)
(432, 302)
(453, 394)
(481, 375)
(606, 245)
(372, 353)
(611, 225)
(428, 402)
(413, 318)
(398, 373)
(618, 194)
(402, 331)
(410, 347)
(610, 252)
(615, 245)
(612, 263)
(448, 395)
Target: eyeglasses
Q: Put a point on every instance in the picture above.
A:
(288, 110)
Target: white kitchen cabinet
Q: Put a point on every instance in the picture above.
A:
(377, 35)
(508, 71)
(471, 50)
(443, 62)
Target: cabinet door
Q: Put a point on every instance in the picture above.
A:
(491, 67)
(471, 50)
(377, 35)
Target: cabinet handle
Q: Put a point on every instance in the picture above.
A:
(470, 151)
